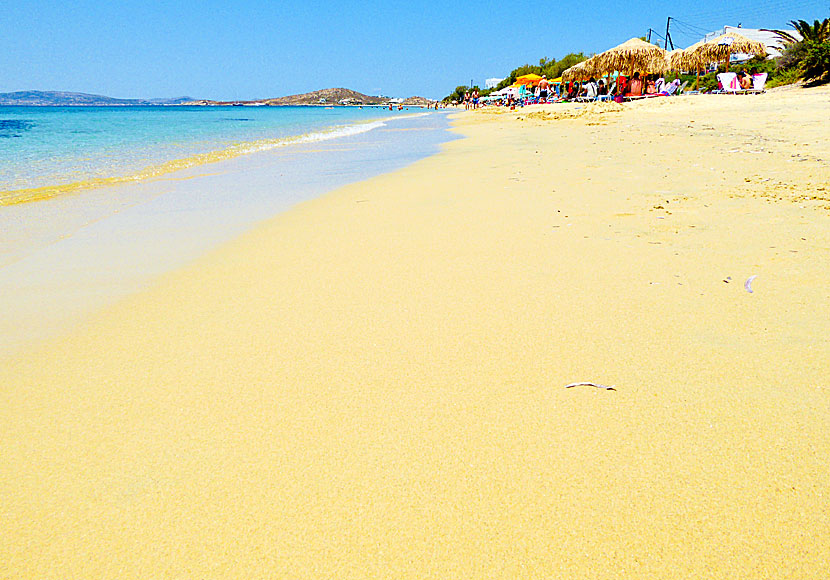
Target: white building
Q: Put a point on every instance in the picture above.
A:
(772, 41)
(492, 83)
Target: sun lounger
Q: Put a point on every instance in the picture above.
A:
(610, 95)
(759, 80)
(729, 83)
(670, 88)
(682, 88)
(649, 96)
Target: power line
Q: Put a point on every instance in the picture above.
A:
(707, 20)
(692, 27)
(754, 10)
(695, 25)
(652, 32)
(668, 40)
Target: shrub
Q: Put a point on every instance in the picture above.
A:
(810, 56)
(784, 77)
(816, 61)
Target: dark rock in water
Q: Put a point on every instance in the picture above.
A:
(14, 127)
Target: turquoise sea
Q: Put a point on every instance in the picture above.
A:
(45, 151)
(97, 202)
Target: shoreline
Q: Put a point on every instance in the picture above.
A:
(372, 384)
(62, 258)
(163, 168)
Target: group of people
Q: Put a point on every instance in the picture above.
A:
(623, 87)
(637, 86)
(746, 78)
(471, 99)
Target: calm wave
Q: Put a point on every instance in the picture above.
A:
(45, 151)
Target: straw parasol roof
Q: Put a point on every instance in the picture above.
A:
(687, 59)
(725, 45)
(673, 58)
(630, 56)
(580, 71)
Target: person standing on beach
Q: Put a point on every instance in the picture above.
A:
(543, 89)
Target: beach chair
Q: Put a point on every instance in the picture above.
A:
(682, 88)
(729, 83)
(670, 89)
(641, 97)
(610, 95)
(591, 95)
(759, 80)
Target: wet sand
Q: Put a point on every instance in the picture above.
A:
(371, 385)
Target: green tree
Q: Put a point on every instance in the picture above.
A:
(816, 62)
(809, 55)
(457, 94)
(565, 63)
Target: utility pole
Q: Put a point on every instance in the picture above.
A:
(649, 36)
(668, 36)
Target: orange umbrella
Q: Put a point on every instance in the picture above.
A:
(531, 79)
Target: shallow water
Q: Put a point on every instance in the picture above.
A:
(46, 151)
(64, 257)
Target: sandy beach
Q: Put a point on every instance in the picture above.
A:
(372, 384)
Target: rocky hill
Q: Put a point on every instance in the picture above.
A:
(417, 101)
(63, 99)
(327, 97)
(337, 96)
(323, 97)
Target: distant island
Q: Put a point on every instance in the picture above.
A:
(325, 97)
(64, 99)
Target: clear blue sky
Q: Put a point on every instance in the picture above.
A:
(245, 50)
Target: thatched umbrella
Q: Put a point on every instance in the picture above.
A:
(579, 71)
(629, 57)
(724, 46)
(673, 59)
(688, 59)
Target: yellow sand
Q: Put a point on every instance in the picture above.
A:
(372, 384)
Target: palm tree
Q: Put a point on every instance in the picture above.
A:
(810, 54)
(819, 31)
